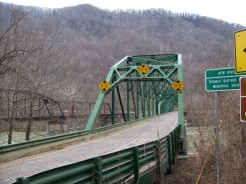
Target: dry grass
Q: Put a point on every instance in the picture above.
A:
(200, 144)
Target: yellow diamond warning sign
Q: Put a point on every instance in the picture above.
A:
(143, 69)
(178, 85)
(104, 85)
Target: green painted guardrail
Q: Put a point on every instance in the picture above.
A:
(36, 142)
(7, 152)
(154, 159)
(56, 138)
(11, 148)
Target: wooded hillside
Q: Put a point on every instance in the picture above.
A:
(88, 40)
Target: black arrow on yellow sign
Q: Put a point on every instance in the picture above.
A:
(244, 50)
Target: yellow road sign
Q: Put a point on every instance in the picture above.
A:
(104, 85)
(143, 69)
(240, 51)
(178, 85)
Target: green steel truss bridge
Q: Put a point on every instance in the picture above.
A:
(144, 88)
(147, 94)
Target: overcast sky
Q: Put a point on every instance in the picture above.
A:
(228, 10)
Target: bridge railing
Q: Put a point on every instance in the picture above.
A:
(145, 162)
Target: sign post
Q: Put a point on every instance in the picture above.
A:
(217, 136)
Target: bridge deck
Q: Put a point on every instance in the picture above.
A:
(148, 131)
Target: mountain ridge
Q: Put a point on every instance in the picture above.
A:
(94, 39)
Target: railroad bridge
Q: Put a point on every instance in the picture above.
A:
(19, 106)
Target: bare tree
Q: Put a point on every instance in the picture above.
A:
(11, 48)
(44, 73)
(9, 42)
(34, 62)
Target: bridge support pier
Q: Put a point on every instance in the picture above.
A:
(57, 127)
